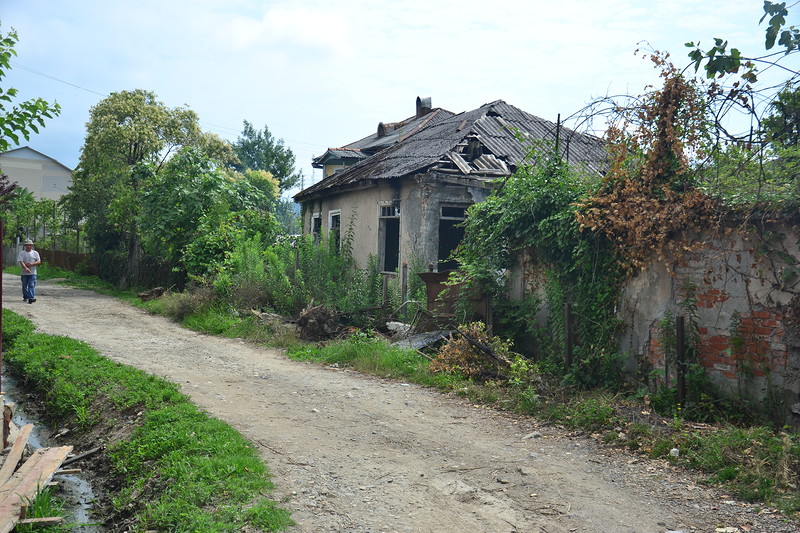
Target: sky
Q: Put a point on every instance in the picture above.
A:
(322, 74)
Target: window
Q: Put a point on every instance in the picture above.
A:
(316, 226)
(389, 237)
(335, 228)
(450, 234)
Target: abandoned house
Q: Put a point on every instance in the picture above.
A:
(401, 192)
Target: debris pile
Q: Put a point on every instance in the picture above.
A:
(318, 323)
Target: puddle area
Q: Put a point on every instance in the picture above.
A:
(74, 490)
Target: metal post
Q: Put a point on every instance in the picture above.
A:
(681, 357)
(569, 339)
(384, 296)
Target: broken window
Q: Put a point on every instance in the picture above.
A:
(389, 237)
(316, 226)
(334, 231)
(450, 235)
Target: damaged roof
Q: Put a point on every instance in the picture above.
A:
(386, 135)
(485, 143)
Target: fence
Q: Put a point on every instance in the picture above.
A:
(58, 258)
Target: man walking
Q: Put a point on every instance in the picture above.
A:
(28, 258)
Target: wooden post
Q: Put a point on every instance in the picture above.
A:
(569, 339)
(404, 288)
(680, 349)
(384, 296)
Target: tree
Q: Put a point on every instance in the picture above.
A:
(782, 129)
(718, 61)
(25, 117)
(735, 75)
(193, 209)
(129, 136)
(258, 150)
(783, 125)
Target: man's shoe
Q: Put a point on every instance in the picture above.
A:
(31, 300)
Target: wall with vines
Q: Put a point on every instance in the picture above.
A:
(739, 288)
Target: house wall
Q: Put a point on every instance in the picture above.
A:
(746, 287)
(43, 176)
(425, 195)
(359, 215)
(420, 198)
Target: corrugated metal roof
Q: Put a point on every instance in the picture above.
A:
(492, 140)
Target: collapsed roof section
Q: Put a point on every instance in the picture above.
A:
(485, 144)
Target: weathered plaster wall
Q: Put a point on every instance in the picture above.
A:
(745, 282)
(359, 214)
(424, 197)
(421, 199)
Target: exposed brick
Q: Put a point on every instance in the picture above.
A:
(762, 330)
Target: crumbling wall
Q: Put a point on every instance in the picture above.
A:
(743, 283)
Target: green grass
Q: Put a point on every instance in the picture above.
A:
(591, 412)
(366, 353)
(197, 473)
(756, 463)
(45, 505)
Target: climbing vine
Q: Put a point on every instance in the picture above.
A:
(535, 212)
(648, 197)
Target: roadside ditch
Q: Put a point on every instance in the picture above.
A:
(74, 490)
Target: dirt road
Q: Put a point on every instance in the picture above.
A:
(352, 453)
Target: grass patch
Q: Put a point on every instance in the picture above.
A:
(183, 470)
(369, 354)
(45, 505)
(587, 412)
(756, 463)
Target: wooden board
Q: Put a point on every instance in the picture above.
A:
(22, 487)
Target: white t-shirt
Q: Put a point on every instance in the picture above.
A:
(28, 257)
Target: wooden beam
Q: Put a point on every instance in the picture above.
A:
(49, 521)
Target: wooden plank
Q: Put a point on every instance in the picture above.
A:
(22, 487)
(49, 521)
(13, 457)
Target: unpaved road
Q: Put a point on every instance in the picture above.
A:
(352, 453)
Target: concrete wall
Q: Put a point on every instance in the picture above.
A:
(746, 286)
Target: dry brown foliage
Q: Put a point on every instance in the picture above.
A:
(474, 353)
(646, 201)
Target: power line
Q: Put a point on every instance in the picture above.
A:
(222, 129)
(23, 67)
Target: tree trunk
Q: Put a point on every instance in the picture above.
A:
(130, 276)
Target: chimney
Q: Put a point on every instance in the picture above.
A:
(423, 106)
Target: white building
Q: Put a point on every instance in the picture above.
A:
(42, 175)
